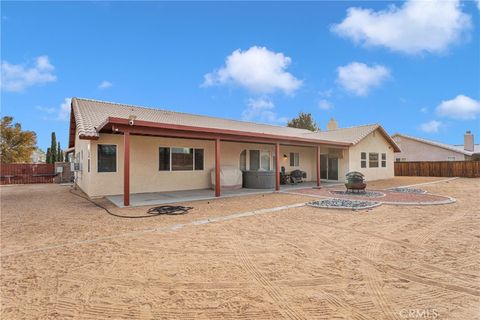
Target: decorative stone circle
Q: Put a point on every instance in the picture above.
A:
(366, 194)
(408, 190)
(344, 204)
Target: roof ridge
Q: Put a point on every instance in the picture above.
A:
(434, 142)
(190, 114)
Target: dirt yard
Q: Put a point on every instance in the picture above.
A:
(62, 257)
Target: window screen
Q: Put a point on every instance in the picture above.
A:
(182, 159)
(107, 158)
(294, 159)
(164, 159)
(373, 160)
(198, 159)
(363, 160)
(254, 160)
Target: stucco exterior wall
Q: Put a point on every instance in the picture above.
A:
(82, 177)
(374, 142)
(413, 150)
(144, 162)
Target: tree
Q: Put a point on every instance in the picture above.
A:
(303, 121)
(53, 148)
(49, 156)
(59, 153)
(16, 145)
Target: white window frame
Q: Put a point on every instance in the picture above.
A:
(116, 157)
(451, 158)
(363, 160)
(378, 159)
(296, 156)
(170, 159)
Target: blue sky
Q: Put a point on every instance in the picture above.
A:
(414, 68)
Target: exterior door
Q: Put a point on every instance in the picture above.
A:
(323, 166)
(332, 168)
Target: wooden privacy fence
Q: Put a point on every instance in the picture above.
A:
(20, 173)
(467, 169)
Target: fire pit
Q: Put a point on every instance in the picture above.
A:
(355, 182)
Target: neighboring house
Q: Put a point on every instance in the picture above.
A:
(38, 156)
(163, 150)
(419, 149)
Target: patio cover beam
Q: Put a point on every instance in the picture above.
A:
(143, 131)
(164, 129)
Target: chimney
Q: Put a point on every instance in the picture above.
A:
(332, 125)
(468, 141)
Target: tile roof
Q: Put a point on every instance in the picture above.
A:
(90, 114)
(450, 147)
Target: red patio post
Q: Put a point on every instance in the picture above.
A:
(217, 167)
(126, 168)
(277, 167)
(318, 166)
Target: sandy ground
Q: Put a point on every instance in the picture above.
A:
(64, 258)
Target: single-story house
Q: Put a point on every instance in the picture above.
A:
(122, 149)
(419, 149)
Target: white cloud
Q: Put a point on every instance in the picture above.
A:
(257, 69)
(17, 77)
(478, 4)
(415, 27)
(45, 109)
(64, 111)
(359, 78)
(461, 107)
(105, 84)
(431, 126)
(424, 110)
(325, 104)
(261, 109)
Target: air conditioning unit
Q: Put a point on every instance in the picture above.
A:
(76, 166)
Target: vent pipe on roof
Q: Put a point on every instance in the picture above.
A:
(468, 143)
(332, 125)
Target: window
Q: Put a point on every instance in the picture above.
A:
(397, 159)
(294, 159)
(259, 160)
(198, 159)
(373, 160)
(180, 159)
(265, 160)
(451, 158)
(107, 158)
(254, 160)
(243, 160)
(363, 158)
(384, 160)
(164, 159)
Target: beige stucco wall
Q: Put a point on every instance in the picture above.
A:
(144, 173)
(413, 150)
(82, 178)
(374, 142)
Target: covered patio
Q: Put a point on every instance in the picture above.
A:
(131, 126)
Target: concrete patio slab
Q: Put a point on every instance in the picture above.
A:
(160, 198)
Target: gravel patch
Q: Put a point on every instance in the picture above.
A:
(344, 204)
(364, 194)
(408, 190)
